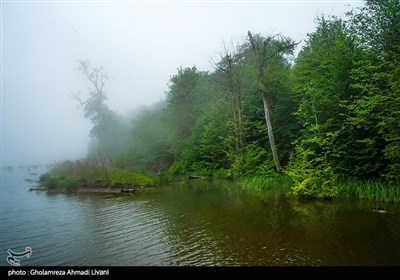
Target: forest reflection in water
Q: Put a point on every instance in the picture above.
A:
(195, 223)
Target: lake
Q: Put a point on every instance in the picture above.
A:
(192, 224)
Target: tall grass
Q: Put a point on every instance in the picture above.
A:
(84, 168)
(93, 173)
(259, 182)
(348, 187)
(369, 189)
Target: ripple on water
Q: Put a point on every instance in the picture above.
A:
(201, 224)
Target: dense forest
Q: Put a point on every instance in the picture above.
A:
(331, 113)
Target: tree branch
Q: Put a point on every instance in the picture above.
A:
(76, 96)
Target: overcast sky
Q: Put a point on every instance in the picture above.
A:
(140, 44)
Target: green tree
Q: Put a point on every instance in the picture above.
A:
(269, 54)
(184, 100)
(228, 76)
(376, 113)
(321, 79)
(148, 148)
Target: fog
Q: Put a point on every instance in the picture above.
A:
(140, 44)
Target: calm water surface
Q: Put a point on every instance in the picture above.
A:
(197, 223)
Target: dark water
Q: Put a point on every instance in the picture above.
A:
(191, 224)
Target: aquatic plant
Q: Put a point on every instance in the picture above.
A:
(369, 189)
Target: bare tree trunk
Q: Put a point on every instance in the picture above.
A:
(234, 80)
(266, 101)
(271, 136)
(240, 122)
(238, 115)
(237, 140)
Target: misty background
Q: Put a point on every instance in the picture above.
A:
(140, 44)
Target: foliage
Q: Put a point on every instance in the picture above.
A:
(126, 178)
(147, 148)
(53, 182)
(321, 79)
(376, 29)
(260, 182)
(184, 99)
(254, 161)
(334, 110)
(312, 177)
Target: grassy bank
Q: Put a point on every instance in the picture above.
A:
(96, 175)
(347, 187)
(368, 189)
(92, 174)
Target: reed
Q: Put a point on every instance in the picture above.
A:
(369, 189)
(93, 173)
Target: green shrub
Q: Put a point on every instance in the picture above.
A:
(265, 182)
(117, 185)
(69, 183)
(179, 167)
(52, 182)
(129, 178)
(312, 176)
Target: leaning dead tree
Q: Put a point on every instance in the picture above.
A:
(262, 52)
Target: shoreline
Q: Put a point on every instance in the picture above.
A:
(92, 190)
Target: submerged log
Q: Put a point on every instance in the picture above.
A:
(378, 210)
(194, 177)
(128, 190)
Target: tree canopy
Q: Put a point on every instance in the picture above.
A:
(331, 112)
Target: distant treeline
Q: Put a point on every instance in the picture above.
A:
(331, 112)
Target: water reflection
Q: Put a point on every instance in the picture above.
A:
(198, 223)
